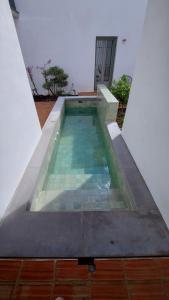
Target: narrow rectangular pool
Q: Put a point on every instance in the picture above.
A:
(82, 173)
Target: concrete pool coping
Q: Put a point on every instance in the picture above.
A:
(118, 233)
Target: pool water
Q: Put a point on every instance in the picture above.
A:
(81, 174)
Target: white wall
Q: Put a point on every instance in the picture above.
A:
(19, 125)
(146, 126)
(65, 31)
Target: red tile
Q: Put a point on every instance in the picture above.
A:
(9, 269)
(63, 290)
(139, 274)
(107, 264)
(145, 297)
(6, 292)
(145, 289)
(163, 262)
(140, 263)
(114, 274)
(28, 297)
(141, 269)
(165, 273)
(164, 267)
(70, 270)
(71, 291)
(110, 269)
(76, 273)
(32, 292)
(165, 286)
(37, 270)
(116, 291)
(82, 291)
(108, 298)
(66, 263)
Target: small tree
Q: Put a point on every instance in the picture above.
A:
(43, 68)
(55, 80)
(30, 73)
(121, 89)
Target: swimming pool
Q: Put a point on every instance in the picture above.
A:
(84, 219)
(82, 173)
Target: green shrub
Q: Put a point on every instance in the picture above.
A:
(121, 89)
(55, 80)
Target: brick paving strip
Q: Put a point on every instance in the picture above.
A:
(115, 279)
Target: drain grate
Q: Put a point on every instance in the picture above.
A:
(89, 261)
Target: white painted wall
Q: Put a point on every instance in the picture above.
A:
(65, 31)
(146, 126)
(19, 125)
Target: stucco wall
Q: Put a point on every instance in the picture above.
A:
(146, 126)
(65, 31)
(19, 125)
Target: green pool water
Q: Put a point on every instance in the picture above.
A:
(82, 174)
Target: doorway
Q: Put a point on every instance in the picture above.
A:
(104, 60)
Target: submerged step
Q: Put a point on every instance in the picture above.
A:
(80, 200)
(86, 170)
(75, 181)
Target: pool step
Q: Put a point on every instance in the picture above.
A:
(78, 181)
(79, 200)
(80, 170)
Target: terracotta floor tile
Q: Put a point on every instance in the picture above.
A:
(6, 292)
(87, 93)
(9, 269)
(71, 290)
(28, 297)
(163, 265)
(105, 291)
(71, 298)
(140, 263)
(139, 274)
(110, 297)
(32, 292)
(69, 263)
(74, 282)
(145, 297)
(114, 274)
(78, 273)
(81, 290)
(63, 290)
(165, 273)
(141, 269)
(70, 270)
(165, 286)
(37, 270)
(145, 289)
(107, 264)
(108, 270)
(43, 110)
(163, 262)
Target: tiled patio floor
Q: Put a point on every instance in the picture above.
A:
(43, 110)
(135, 279)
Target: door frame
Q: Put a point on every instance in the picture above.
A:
(110, 38)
